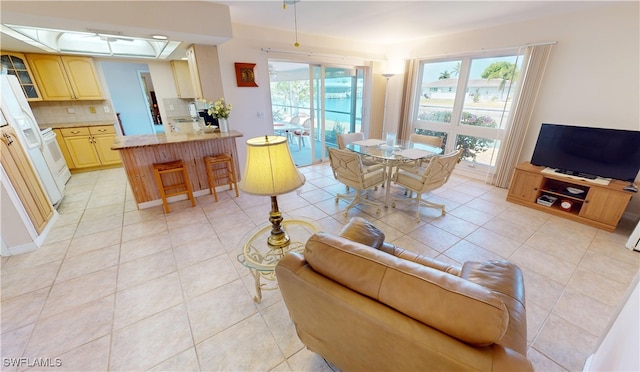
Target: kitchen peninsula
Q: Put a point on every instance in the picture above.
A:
(140, 152)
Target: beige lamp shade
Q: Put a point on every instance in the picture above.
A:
(270, 169)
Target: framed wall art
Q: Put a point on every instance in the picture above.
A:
(245, 74)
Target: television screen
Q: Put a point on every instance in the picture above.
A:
(589, 152)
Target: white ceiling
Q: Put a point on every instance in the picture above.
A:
(382, 22)
(389, 22)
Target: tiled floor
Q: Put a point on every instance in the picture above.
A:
(116, 288)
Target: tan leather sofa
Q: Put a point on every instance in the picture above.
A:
(364, 304)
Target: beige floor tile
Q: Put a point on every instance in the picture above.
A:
(144, 215)
(259, 349)
(197, 231)
(84, 289)
(145, 268)
(207, 275)
(82, 264)
(183, 217)
(13, 344)
(597, 286)
(22, 310)
(454, 225)
(583, 311)
(92, 356)
(494, 242)
(471, 215)
(309, 361)
(146, 299)
(49, 252)
(94, 241)
(542, 363)
(544, 263)
(155, 339)
(193, 252)
(92, 214)
(144, 246)
(93, 226)
(464, 251)
(219, 309)
(65, 331)
(609, 266)
(20, 280)
(185, 361)
(434, 237)
(509, 229)
(536, 316)
(566, 344)
(144, 228)
(282, 328)
(61, 233)
(540, 289)
(562, 246)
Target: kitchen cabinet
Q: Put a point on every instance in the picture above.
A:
(194, 72)
(16, 64)
(590, 203)
(65, 78)
(89, 148)
(23, 177)
(182, 78)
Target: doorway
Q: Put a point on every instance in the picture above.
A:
(129, 96)
(316, 102)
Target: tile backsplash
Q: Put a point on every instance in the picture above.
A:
(180, 107)
(63, 112)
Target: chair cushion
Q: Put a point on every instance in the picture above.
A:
(455, 306)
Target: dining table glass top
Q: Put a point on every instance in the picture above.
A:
(401, 150)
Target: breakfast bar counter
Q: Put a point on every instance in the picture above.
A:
(140, 152)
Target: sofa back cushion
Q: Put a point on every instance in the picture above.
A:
(455, 306)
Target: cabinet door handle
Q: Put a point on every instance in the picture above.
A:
(9, 139)
(75, 131)
(102, 130)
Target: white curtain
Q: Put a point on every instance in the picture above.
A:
(536, 58)
(404, 129)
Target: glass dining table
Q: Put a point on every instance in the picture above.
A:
(392, 156)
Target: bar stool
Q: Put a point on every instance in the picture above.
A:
(220, 167)
(170, 167)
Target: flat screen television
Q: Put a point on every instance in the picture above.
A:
(589, 152)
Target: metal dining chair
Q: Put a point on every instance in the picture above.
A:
(433, 176)
(348, 169)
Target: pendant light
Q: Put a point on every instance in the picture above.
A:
(295, 16)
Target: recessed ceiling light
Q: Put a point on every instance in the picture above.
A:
(159, 37)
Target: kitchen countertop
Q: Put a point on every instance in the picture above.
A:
(168, 138)
(74, 125)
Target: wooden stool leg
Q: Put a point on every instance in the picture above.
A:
(232, 175)
(161, 189)
(211, 181)
(188, 184)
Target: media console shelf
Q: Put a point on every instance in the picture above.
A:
(590, 203)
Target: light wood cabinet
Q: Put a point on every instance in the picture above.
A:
(24, 180)
(194, 72)
(89, 147)
(64, 78)
(17, 65)
(182, 79)
(590, 203)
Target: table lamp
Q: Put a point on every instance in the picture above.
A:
(270, 171)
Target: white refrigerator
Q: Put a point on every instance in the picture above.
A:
(18, 114)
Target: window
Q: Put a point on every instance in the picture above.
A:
(467, 100)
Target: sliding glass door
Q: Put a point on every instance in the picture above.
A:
(311, 104)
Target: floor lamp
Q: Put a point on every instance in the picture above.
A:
(270, 171)
(384, 109)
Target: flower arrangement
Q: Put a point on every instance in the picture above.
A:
(219, 109)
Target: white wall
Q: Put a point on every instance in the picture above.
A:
(591, 78)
